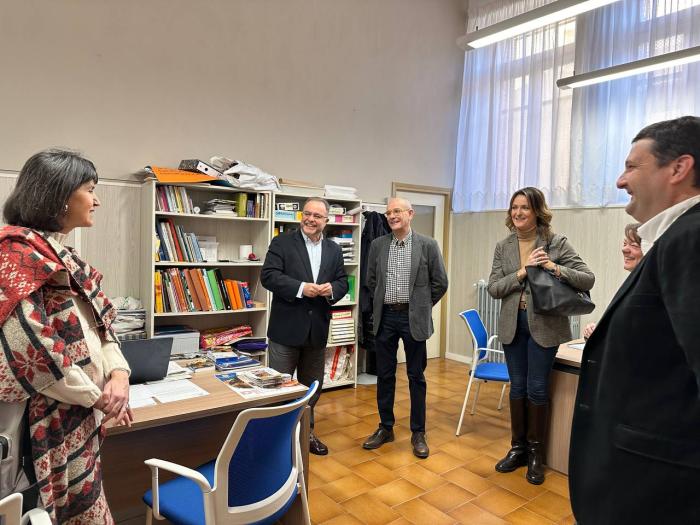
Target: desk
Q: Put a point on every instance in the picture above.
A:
(188, 432)
(563, 387)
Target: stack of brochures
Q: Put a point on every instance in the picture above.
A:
(231, 361)
(264, 377)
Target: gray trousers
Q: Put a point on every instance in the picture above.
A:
(307, 361)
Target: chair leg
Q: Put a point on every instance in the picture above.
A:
(304, 503)
(464, 405)
(476, 397)
(149, 516)
(500, 401)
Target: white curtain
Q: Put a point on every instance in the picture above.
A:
(518, 129)
(607, 116)
(514, 121)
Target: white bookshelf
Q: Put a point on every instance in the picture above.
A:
(352, 267)
(230, 233)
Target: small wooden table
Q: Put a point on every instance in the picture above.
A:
(563, 387)
(189, 432)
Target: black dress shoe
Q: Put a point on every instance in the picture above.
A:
(316, 447)
(420, 447)
(380, 436)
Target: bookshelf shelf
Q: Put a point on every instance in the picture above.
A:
(345, 232)
(217, 264)
(211, 217)
(217, 312)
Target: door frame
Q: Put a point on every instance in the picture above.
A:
(446, 238)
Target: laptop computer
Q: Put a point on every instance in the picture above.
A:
(147, 358)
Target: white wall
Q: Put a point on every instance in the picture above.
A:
(351, 92)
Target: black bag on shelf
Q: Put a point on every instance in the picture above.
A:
(551, 296)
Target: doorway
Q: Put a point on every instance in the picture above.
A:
(432, 206)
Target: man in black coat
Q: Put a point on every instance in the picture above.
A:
(305, 273)
(635, 441)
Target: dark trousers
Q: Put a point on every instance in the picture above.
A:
(394, 325)
(529, 364)
(306, 360)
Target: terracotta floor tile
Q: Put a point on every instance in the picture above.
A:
(378, 474)
(557, 483)
(397, 458)
(468, 480)
(447, 497)
(473, 439)
(420, 512)
(460, 450)
(358, 430)
(343, 519)
(420, 476)
(363, 409)
(522, 516)
(314, 482)
(483, 465)
(499, 501)
(329, 469)
(338, 441)
(515, 482)
(441, 462)
(370, 510)
(352, 456)
(400, 521)
(550, 505)
(470, 514)
(569, 520)
(322, 507)
(348, 487)
(396, 492)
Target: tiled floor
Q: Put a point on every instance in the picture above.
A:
(456, 484)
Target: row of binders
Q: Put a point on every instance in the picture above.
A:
(175, 244)
(174, 199)
(342, 328)
(198, 290)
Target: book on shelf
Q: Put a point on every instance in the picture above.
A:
(224, 335)
(341, 219)
(350, 296)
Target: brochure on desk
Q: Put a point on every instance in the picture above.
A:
(235, 381)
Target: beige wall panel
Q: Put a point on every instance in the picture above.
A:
(113, 244)
(596, 233)
(349, 92)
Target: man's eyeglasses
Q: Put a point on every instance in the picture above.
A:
(316, 216)
(395, 211)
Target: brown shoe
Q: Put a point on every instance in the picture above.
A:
(420, 447)
(316, 446)
(380, 436)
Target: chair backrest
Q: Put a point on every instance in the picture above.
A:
(477, 331)
(11, 509)
(258, 458)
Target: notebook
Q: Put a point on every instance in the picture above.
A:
(147, 358)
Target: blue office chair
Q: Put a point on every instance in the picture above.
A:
(255, 478)
(485, 364)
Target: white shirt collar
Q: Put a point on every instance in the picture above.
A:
(655, 227)
(307, 239)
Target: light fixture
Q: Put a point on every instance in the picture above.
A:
(675, 58)
(542, 16)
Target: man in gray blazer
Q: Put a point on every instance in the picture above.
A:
(403, 266)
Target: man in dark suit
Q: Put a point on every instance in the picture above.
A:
(635, 441)
(407, 276)
(305, 273)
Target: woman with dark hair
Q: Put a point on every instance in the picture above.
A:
(631, 255)
(59, 353)
(530, 341)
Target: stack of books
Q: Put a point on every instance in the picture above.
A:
(173, 199)
(220, 207)
(344, 239)
(264, 377)
(174, 244)
(342, 328)
(130, 324)
(225, 361)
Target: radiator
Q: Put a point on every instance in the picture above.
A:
(489, 309)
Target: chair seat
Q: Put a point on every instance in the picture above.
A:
(492, 372)
(181, 500)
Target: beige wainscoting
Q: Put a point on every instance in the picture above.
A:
(596, 233)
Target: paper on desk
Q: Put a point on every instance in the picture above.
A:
(576, 346)
(169, 391)
(140, 396)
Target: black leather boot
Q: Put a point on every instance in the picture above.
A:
(517, 455)
(536, 434)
